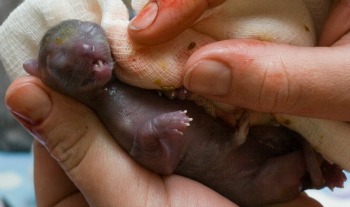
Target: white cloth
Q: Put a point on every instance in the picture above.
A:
(21, 32)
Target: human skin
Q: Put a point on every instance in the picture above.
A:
(64, 158)
(300, 82)
(153, 130)
(24, 99)
(73, 167)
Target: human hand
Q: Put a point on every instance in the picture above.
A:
(78, 163)
(265, 76)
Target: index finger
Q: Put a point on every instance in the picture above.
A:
(162, 20)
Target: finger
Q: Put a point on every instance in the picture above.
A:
(75, 138)
(162, 20)
(337, 24)
(100, 169)
(274, 78)
(52, 186)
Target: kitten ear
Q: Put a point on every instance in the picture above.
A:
(31, 66)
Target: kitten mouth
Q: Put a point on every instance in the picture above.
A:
(97, 61)
(100, 74)
(99, 66)
(102, 71)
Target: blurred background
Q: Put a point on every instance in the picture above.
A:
(16, 171)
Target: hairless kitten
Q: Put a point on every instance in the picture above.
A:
(177, 136)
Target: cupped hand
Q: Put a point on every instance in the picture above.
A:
(264, 76)
(78, 163)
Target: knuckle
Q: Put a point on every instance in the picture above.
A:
(64, 143)
(277, 90)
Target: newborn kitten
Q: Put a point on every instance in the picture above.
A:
(174, 136)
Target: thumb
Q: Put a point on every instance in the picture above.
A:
(271, 77)
(74, 137)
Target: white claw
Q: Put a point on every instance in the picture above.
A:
(86, 46)
(180, 132)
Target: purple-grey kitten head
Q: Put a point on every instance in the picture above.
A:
(74, 56)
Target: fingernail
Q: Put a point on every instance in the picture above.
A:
(145, 18)
(208, 77)
(29, 103)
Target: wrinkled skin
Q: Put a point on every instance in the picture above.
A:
(174, 136)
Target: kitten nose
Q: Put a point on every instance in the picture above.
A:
(87, 49)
